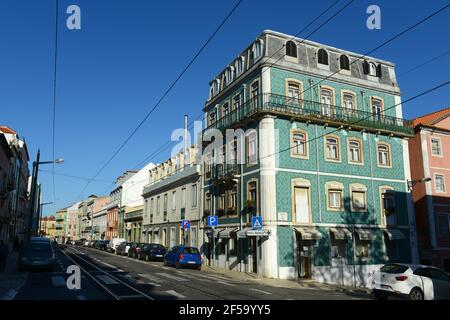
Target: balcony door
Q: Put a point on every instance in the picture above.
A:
(302, 207)
(326, 100)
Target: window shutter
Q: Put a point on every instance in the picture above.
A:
(379, 70)
(366, 67)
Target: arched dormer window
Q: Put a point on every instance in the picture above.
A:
(216, 85)
(258, 49)
(344, 62)
(322, 57)
(291, 49)
(240, 65)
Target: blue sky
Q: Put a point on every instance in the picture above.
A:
(113, 70)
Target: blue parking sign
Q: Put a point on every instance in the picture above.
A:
(213, 221)
(256, 222)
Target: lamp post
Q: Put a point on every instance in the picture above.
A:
(412, 183)
(40, 215)
(33, 187)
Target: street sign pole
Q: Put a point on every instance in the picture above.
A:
(214, 246)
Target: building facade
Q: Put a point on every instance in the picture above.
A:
(60, 225)
(429, 152)
(99, 224)
(324, 162)
(173, 194)
(72, 222)
(132, 204)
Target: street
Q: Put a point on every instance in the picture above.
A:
(105, 276)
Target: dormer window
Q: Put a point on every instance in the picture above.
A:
(372, 69)
(257, 49)
(216, 86)
(240, 63)
(322, 57)
(291, 49)
(344, 62)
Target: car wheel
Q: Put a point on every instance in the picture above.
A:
(177, 265)
(416, 294)
(147, 259)
(165, 262)
(380, 295)
(199, 268)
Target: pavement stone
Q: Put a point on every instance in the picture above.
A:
(284, 283)
(11, 280)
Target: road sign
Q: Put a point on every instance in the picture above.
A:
(186, 224)
(213, 221)
(256, 222)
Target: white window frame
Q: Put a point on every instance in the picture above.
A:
(361, 151)
(443, 183)
(338, 148)
(294, 146)
(389, 155)
(194, 194)
(438, 140)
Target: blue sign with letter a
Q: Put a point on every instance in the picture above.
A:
(256, 222)
(213, 221)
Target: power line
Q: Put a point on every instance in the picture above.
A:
(133, 132)
(423, 64)
(74, 176)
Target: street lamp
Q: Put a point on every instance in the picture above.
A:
(33, 187)
(40, 214)
(412, 183)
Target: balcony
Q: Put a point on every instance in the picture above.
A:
(312, 111)
(223, 174)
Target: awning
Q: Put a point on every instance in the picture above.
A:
(216, 232)
(309, 233)
(394, 234)
(366, 234)
(341, 233)
(242, 233)
(226, 233)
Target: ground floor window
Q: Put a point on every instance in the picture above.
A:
(392, 251)
(232, 247)
(222, 246)
(362, 248)
(338, 250)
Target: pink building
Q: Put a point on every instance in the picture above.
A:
(429, 153)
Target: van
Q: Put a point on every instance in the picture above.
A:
(113, 244)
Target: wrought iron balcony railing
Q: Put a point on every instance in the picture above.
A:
(313, 111)
(223, 171)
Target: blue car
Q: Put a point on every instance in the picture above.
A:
(182, 256)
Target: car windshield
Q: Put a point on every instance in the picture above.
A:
(394, 268)
(38, 247)
(190, 250)
(156, 246)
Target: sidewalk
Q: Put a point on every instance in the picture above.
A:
(291, 284)
(11, 280)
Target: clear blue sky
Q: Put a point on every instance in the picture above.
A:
(113, 70)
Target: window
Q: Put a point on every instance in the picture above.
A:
(174, 200)
(232, 155)
(354, 151)
(344, 62)
(327, 101)
(391, 249)
(436, 147)
(384, 157)
(439, 183)
(335, 199)
(207, 201)
(322, 57)
(377, 107)
(236, 101)
(359, 200)
(254, 92)
(387, 206)
(372, 69)
(252, 195)
(232, 199)
(349, 102)
(298, 143)
(291, 49)
(332, 149)
(165, 202)
(158, 205)
(208, 165)
(294, 90)
(225, 109)
(444, 224)
(183, 198)
(194, 195)
(362, 249)
(257, 49)
(251, 149)
(338, 249)
(240, 65)
(212, 117)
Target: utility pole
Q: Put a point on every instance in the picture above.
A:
(33, 193)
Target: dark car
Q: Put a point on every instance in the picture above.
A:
(152, 251)
(102, 244)
(37, 255)
(134, 249)
(181, 256)
(95, 244)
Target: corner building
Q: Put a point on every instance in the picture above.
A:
(326, 163)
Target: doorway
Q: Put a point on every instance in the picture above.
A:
(305, 258)
(252, 256)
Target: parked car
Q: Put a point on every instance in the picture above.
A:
(103, 244)
(114, 243)
(151, 251)
(134, 249)
(122, 248)
(182, 256)
(415, 282)
(37, 255)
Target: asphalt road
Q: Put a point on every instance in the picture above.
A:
(108, 276)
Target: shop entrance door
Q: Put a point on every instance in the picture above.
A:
(304, 254)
